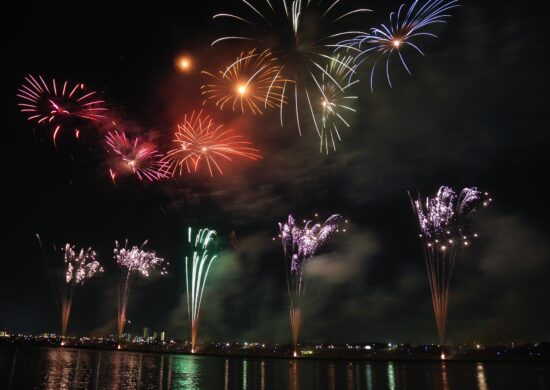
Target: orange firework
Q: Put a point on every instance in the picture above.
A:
(251, 83)
(53, 103)
(200, 140)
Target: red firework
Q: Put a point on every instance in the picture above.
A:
(134, 156)
(54, 103)
(200, 140)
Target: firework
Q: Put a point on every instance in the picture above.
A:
(79, 267)
(53, 103)
(199, 141)
(134, 156)
(442, 222)
(251, 83)
(301, 35)
(196, 272)
(300, 243)
(133, 261)
(404, 30)
(336, 100)
(184, 63)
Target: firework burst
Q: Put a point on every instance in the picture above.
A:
(199, 141)
(250, 84)
(301, 35)
(301, 243)
(133, 261)
(336, 100)
(79, 267)
(442, 222)
(404, 30)
(53, 103)
(134, 156)
(196, 272)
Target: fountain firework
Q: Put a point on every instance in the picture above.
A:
(442, 221)
(196, 272)
(131, 261)
(79, 267)
(300, 244)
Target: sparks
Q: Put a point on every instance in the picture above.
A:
(196, 273)
(403, 31)
(250, 84)
(79, 267)
(133, 261)
(337, 101)
(54, 103)
(199, 141)
(134, 156)
(443, 219)
(299, 245)
(301, 35)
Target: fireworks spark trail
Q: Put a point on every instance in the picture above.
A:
(301, 35)
(201, 141)
(196, 272)
(250, 84)
(404, 30)
(79, 267)
(301, 243)
(442, 222)
(134, 156)
(53, 103)
(133, 261)
(336, 101)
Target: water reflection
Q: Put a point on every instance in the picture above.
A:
(10, 382)
(186, 374)
(262, 376)
(58, 369)
(444, 379)
(369, 376)
(481, 381)
(331, 383)
(245, 377)
(293, 377)
(349, 377)
(62, 368)
(391, 376)
(226, 375)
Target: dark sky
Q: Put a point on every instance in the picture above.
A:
(474, 113)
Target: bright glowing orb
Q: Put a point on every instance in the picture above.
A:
(184, 64)
(241, 88)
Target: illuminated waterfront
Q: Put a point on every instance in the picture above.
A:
(32, 367)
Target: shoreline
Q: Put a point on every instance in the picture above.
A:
(336, 357)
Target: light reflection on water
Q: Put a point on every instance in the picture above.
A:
(481, 381)
(63, 368)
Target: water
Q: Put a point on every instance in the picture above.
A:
(64, 368)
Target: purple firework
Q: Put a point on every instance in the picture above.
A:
(300, 243)
(442, 221)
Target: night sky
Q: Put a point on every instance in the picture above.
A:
(474, 113)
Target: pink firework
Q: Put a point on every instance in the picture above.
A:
(199, 140)
(53, 103)
(134, 156)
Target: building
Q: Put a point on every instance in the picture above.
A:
(162, 336)
(145, 333)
